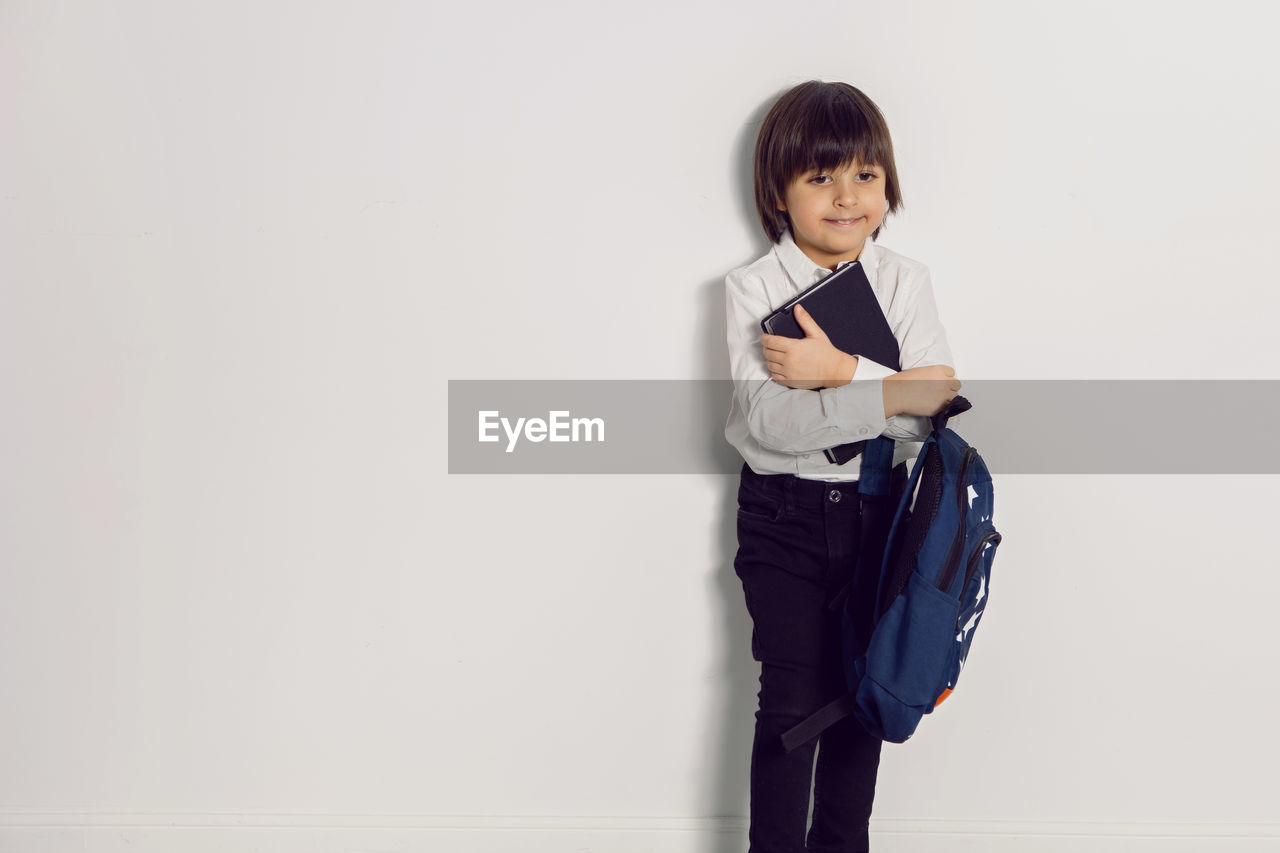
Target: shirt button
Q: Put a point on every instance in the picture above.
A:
(863, 430)
(834, 496)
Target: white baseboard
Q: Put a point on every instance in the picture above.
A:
(65, 832)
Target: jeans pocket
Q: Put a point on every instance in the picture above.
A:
(758, 505)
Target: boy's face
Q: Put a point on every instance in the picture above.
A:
(832, 213)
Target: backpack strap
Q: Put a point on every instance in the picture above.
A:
(957, 406)
(877, 463)
(842, 453)
(819, 721)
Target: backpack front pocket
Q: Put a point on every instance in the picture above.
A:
(913, 643)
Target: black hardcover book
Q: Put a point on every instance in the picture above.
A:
(846, 309)
(844, 305)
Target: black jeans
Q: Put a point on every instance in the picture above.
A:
(797, 547)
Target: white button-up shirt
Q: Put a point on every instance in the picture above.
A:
(782, 430)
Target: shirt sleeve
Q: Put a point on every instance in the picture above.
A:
(793, 420)
(921, 342)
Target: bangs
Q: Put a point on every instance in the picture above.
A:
(837, 134)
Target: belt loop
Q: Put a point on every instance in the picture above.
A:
(789, 493)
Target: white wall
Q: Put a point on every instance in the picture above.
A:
(243, 605)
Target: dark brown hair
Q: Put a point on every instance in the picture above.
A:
(819, 126)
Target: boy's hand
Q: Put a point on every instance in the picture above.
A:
(808, 362)
(932, 388)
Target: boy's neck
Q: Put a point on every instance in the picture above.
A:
(830, 262)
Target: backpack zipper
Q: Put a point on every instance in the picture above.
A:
(975, 556)
(957, 544)
(963, 623)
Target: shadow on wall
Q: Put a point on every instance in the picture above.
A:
(733, 716)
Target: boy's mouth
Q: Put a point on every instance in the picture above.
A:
(846, 222)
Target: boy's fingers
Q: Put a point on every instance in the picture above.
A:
(775, 342)
(807, 323)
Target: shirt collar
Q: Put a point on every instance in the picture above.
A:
(804, 272)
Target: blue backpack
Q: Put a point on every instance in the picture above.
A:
(934, 582)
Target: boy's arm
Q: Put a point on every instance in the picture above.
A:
(791, 420)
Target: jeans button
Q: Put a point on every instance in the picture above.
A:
(834, 496)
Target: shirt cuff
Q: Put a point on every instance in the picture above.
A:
(868, 369)
(908, 428)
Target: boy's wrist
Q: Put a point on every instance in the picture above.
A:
(845, 367)
(892, 406)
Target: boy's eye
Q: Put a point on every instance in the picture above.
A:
(819, 179)
(867, 176)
